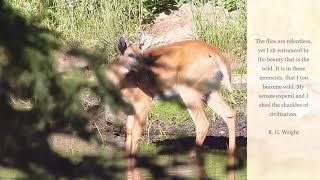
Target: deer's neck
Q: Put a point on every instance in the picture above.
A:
(116, 73)
(150, 57)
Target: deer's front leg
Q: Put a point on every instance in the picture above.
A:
(134, 127)
(129, 129)
(134, 131)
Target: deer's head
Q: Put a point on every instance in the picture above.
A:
(130, 56)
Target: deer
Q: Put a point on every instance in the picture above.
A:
(183, 68)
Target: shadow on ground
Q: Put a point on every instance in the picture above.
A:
(184, 145)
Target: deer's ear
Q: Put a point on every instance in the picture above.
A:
(122, 44)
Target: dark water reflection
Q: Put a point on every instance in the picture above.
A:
(173, 156)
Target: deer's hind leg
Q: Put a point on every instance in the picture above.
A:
(194, 103)
(217, 104)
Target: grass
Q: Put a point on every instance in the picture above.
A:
(168, 111)
(227, 31)
(241, 70)
(92, 24)
(86, 24)
(166, 119)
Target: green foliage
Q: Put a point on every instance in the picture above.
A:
(230, 34)
(237, 99)
(240, 70)
(151, 8)
(96, 23)
(230, 5)
(27, 72)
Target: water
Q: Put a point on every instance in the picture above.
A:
(166, 158)
(183, 166)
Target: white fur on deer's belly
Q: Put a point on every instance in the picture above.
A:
(167, 94)
(207, 86)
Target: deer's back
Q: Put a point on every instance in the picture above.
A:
(188, 62)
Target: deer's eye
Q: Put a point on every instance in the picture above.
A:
(131, 55)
